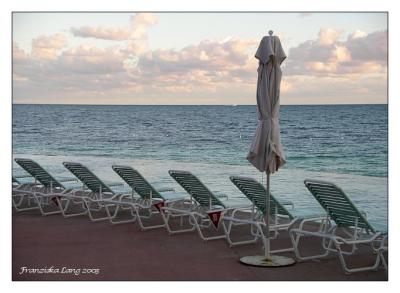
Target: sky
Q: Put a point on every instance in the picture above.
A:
(196, 58)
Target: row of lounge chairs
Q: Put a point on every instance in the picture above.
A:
(341, 230)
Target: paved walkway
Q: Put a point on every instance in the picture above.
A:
(123, 252)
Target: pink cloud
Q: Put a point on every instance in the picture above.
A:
(88, 59)
(360, 53)
(18, 53)
(368, 47)
(48, 47)
(136, 30)
(140, 23)
(114, 34)
(204, 67)
(210, 68)
(207, 55)
(335, 89)
(328, 36)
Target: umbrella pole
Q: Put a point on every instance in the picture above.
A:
(267, 259)
(267, 218)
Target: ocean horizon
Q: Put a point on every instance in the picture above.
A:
(234, 105)
(346, 144)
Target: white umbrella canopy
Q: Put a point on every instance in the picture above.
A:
(266, 153)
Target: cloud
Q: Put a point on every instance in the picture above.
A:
(368, 47)
(140, 23)
(366, 88)
(360, 53)
(211, 56)
(137, 29)
(358, 34)
(328, 36)
(114, 34)
(208, 66)
(48, 47)
(88, 59)
(18, 53)
(329, 67)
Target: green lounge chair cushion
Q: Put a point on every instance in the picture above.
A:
(339, 207)
(137, 182)
(195, 188)
(40, 174)
(90, 180)
(257, 194)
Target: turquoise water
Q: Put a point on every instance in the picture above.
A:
(346, 144)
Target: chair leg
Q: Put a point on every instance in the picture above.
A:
(42, 205)
(65, 208)
(112, 218)
(383, 260)
(295, 238)
(348, 270)
(332, 246)
(228, 230)
(166, 215)
(17, 205)
(94, 218)
(144, 227)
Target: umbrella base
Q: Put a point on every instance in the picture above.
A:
(271, 261)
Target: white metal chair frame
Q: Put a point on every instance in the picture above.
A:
(341, 236)
(136, 210)
(90, 202)
(112, 204)
(198, 219)
(39, 197)
(332, 241)
(257, 224)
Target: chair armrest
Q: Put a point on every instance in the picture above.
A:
(111, 184)
(68, 179)
(165, 189)
(23, 176)
(221, 195)
(287, 203)
(177, 199)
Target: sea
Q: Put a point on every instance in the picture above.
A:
(344, 144)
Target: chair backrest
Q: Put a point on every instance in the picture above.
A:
(339, 207)
(86, 176)
(136, 181)
(257, 194)
(37, 172)
(195, 188)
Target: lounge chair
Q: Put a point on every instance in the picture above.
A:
(345, 227)
(99, 196)
(18, 184)
(19, 194)
(43, 191)
(148, 195)
(139, 184)
(105, 198)
(204, 211)
(280, 217)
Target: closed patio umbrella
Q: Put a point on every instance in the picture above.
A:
(266, 152)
